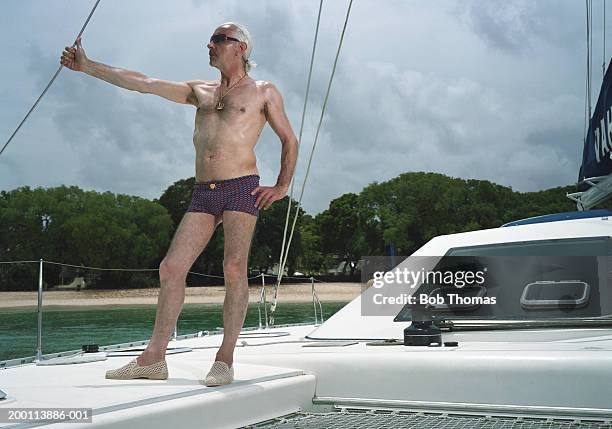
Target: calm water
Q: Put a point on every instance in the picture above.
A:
(67, 328)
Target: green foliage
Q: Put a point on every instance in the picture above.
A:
(268, 237)
(415, 207)
(176, 199)
(69, 225)
(312, 259)
(345, 229)
(411, 209)
(144, 280)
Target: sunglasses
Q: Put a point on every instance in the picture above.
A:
(220, 38)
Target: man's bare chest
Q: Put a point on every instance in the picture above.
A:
(243, 102)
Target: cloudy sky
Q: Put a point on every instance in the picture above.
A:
(484, 89)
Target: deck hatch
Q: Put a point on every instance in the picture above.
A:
(555, 294)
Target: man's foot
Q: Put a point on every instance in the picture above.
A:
(220, 373)
(146, 359)
(156, 371)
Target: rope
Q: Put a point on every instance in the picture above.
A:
(305, 279)
(49, 84)
(331, 78)
(289, 277)
(113, 269)
(100, 269)
(128, 269)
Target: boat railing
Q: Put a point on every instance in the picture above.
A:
(600, 190)
(262, 304)
(32, 359)
(316, 301)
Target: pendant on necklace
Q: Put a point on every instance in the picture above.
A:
(220, 105)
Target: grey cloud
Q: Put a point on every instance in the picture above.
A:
(564, 142)
(516, 26)
(506, 25)
(428, 96)
(117, 136)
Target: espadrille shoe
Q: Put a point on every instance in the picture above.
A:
(156, 371)
(219, 374)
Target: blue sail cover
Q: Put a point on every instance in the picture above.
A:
(597, 152)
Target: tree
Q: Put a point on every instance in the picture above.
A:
(312, 260)
(268, 237)
(69, 225)
(176, 199)
(343, 230)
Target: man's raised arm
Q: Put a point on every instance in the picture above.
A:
(75, 59)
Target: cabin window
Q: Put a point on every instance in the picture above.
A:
(590, 246)
(525, 280)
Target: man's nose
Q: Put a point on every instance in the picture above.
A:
(209, 45)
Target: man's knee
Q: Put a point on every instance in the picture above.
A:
(234, 268)
(170, 270)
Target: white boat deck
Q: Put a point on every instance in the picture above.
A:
(259, 391)
(279, 375)
(535, 373)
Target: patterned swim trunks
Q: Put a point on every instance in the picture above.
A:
(217, 196)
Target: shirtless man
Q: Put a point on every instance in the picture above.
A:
(231, 113)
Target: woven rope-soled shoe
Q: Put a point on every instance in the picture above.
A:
(219, 374)
(156, 371)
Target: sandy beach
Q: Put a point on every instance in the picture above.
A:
(193, 295)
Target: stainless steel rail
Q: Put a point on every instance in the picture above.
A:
(316, 302)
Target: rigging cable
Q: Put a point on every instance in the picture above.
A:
(590, 58)
(50, 82)
(603, 65)
(314, 47)
(314, 145)
(587, 95)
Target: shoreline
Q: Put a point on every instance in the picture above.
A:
(288, 293)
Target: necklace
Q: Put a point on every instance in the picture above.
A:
(220, 104)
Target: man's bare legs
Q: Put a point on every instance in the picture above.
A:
(238, 230)
(190, 239)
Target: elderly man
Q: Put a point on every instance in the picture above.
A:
(231, 113)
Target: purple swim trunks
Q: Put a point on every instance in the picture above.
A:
(217, 196)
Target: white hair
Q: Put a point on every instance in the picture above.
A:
(243, 35)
